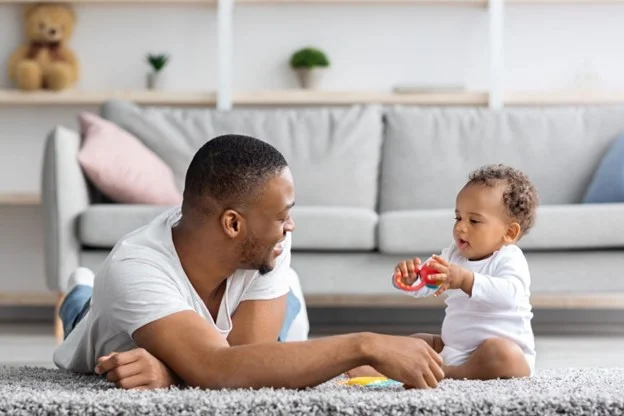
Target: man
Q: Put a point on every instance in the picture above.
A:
(198, 296)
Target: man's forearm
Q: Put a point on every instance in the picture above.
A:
(289, 365)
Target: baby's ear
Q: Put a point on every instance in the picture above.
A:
(513, 233)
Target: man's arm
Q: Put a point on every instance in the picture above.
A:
(201, 357)
(257, 321)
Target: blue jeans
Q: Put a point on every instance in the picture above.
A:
(78, 300)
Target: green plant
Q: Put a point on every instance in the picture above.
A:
(309, 57)
(157, 62)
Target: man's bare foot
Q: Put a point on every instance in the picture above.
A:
(363, 371)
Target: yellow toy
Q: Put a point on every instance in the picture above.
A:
(371, 382)
(45, 61)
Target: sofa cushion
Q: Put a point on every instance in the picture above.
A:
(317, 228)
(608, 182)
(333, 152)
(577, 226)
(558, 227)
(334, 228)
(102, 225)
(122, 167)
(429, 152)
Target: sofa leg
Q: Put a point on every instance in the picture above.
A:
(58, 325)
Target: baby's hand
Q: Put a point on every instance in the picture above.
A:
(451, 276)
(408, 271)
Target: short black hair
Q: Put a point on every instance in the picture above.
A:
(229, 171)
(520, 196)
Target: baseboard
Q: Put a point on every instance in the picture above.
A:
(332, 320)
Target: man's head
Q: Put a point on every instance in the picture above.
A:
(496, 207)
(243, 186)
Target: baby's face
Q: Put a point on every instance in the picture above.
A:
(480, 221)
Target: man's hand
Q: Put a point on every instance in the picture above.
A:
(135, 369)
(451, 276)
(408, 270)
(409, 360)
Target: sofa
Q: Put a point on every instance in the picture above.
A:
(374, 184)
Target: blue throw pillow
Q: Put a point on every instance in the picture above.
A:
(608, 182)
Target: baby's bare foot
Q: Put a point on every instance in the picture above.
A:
(363, 371)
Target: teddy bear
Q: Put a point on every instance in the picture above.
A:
(45, 61)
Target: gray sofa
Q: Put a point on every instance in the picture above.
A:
(374, 184)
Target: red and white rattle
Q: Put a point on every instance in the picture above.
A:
(423, 279)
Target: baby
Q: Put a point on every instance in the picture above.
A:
(486, 333)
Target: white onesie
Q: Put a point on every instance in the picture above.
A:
(499, 305)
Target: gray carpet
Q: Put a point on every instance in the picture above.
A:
(31, 390)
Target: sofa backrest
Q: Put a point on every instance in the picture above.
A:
(429, 152)
(334, 153)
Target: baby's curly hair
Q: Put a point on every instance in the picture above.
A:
(520, 195)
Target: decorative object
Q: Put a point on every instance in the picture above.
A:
(45, 61)
(310, 65)
(122, 167)
(157, 63)
(607, 184)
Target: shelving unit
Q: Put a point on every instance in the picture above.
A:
(225, 96)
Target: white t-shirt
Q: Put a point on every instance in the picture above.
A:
(500, 302)
(141, 281)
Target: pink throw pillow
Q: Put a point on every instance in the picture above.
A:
(122, 167)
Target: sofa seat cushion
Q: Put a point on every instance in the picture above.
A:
(577, 226)
(334, 228)
(318, 228)
(102, 225)
(558, 227)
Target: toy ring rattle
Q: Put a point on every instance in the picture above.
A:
(423, 280)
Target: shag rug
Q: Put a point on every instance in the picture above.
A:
(44, 391)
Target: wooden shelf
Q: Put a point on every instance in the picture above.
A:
(277, 97)
(563, 1)
(76, 97)
(19, 199)
(307, 97)
(564, 98)
(206, 2)
(28, 299)
(475, 3)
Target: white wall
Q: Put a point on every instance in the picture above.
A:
(371, 48)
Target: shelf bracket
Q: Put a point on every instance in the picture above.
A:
(496, 53)
(225, 17)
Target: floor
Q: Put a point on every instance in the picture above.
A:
(33, 344)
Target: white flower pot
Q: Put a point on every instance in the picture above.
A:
(155, 81)
(310, 78)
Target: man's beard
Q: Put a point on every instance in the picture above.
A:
(248, 252)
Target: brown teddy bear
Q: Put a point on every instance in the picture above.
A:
(45, 61)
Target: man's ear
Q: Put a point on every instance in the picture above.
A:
(233, 223)
(513, 233)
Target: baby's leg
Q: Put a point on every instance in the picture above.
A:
(435, 341)
(494, 358)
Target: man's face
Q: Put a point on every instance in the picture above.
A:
(268, 221)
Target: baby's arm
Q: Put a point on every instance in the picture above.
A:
(508, 283)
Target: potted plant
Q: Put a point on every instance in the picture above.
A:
(157, 63)
(310, 64)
